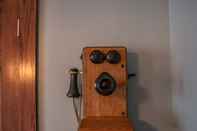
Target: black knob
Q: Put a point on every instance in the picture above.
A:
(113, 57)
(105, 84)
(97, 57)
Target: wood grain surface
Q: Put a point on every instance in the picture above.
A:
(17, 65)
(106, 124)
(94, 103)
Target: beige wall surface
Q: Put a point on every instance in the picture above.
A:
(183, 32)
(66, 26)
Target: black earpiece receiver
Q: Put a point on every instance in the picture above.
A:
(73, 90)
(97, 57)
(113, 57)
(105, 84)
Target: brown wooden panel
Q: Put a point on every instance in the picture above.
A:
(105, 124)
(94, 103)
(17, 61)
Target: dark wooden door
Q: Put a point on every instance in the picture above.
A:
(17, 65)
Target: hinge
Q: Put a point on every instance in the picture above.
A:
(18, 27)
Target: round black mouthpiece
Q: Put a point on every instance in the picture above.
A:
(105, 84)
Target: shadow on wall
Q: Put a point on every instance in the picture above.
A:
(136, 95)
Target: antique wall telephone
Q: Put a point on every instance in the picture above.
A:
(104, 89)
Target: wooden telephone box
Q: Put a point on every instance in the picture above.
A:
(104, 89)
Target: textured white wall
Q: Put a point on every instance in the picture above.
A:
(183, 41)
(66, 26)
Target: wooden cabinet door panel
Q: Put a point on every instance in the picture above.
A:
(17, 65)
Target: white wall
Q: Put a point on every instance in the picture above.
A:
(183, 40)
(66, 26)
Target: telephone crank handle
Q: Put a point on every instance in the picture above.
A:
(131, 75)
